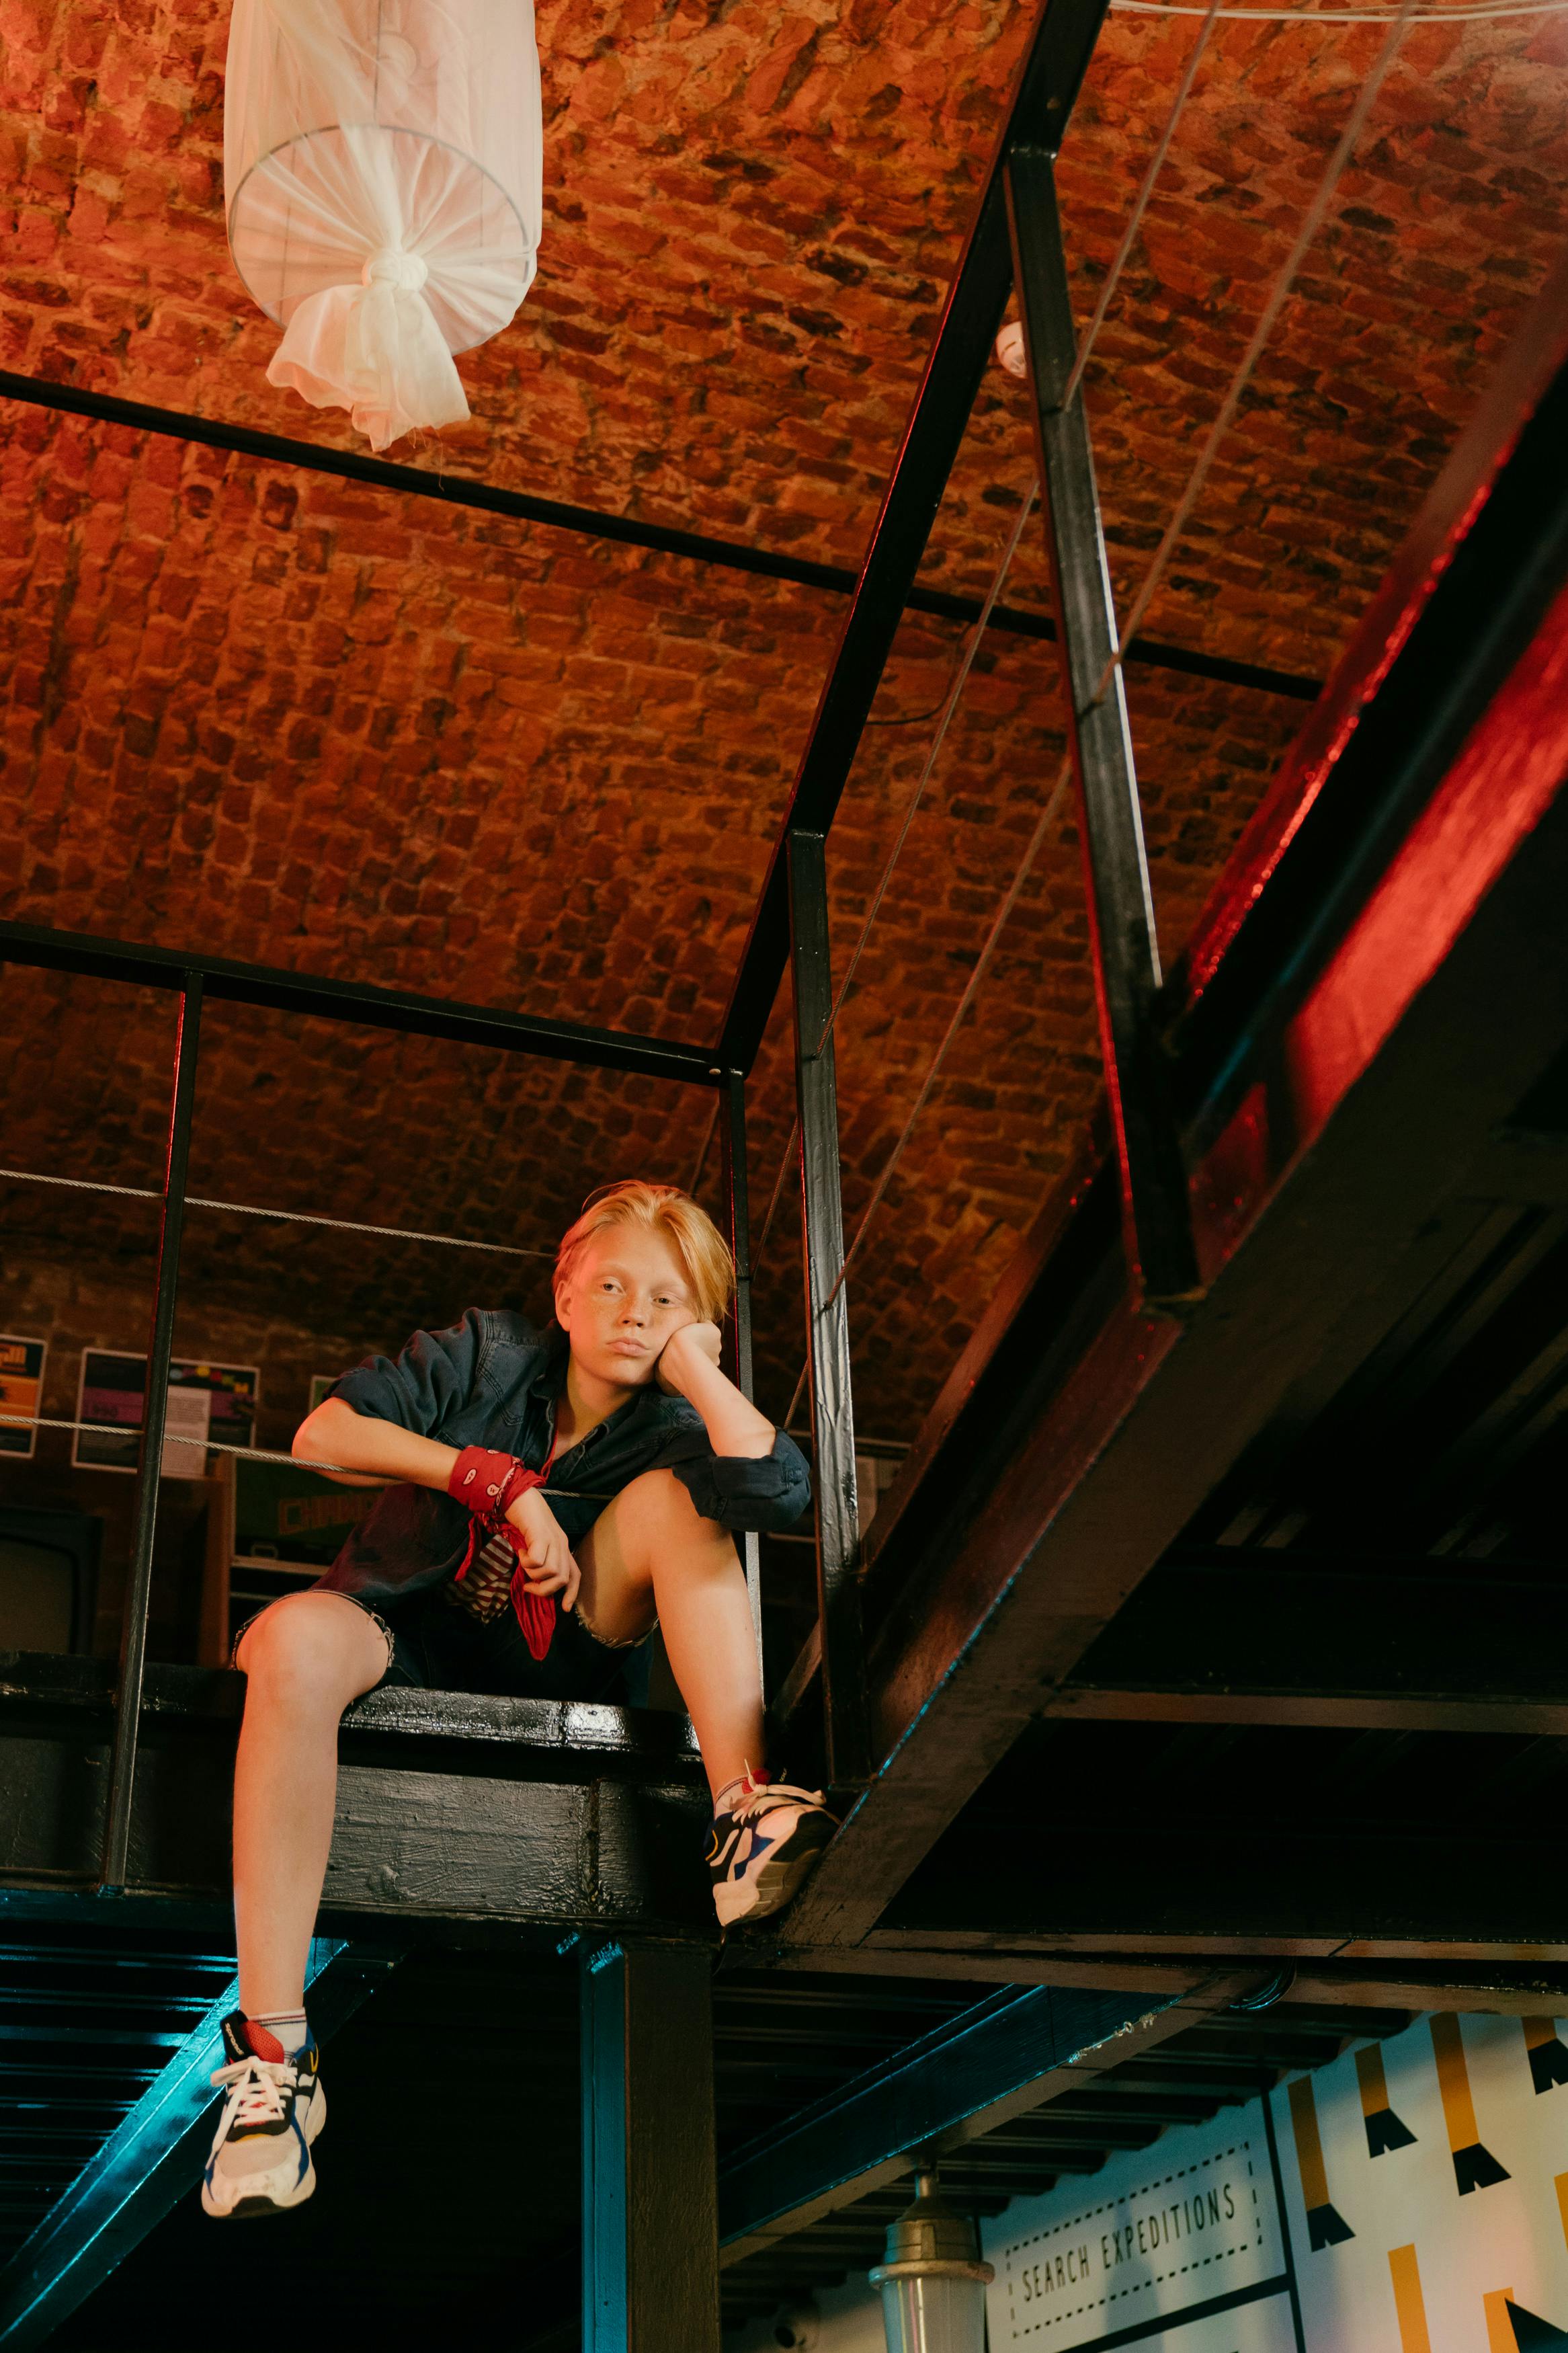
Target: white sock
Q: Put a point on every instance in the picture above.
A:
(288, 2026)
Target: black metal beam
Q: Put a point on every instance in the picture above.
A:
(826, 1318)
(1463, 1890)
(1265, 1637)
(735, 1179)
(319, 1000)
(1374, 1062)
(1156, 1223)
(1332, 1977)
(650, 2247)
(1042, 103)
(627, 530)
(155, 1414)
(155, 2155)
(449, 1807)
(1006, 2056)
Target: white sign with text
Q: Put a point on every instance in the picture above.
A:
(1189, 2227)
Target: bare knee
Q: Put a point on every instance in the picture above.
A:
(668, 1533)
(658, 1501)
(313, 1649)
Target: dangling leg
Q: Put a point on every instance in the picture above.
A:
(304, 1659)
(650, 1554)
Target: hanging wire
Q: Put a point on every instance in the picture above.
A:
(1140, 203)
(707, 1146)
(1480, 16)
(948, 707)
(934, 1068)
(284, 1217)
(1280, 294)
(907, 718)
(1107, 295)
(1311, 222)
(241, 1454)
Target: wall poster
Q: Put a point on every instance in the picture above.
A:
(207, 1403)
(1412, 2197)
(21, 1391)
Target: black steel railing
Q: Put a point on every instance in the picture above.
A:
(1013, 245)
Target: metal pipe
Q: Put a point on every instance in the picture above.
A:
(631, 531)
(1156, 1217)
(650, 2206)
(732, 1110)
(828, 1318)
(139, 1591)
(1042, 102)
(36, 945)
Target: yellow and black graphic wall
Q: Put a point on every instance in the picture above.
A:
(1411, 2198)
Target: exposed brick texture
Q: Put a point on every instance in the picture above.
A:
(296, 721)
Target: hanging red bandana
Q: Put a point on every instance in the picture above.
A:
(485, 1483)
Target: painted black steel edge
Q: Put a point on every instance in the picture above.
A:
(665, 539)
(1063, 41)
(354, 1001)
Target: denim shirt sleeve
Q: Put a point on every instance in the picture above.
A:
(431, 1379)
(767, 1492)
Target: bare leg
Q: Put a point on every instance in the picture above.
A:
(305, 1659)
(650, 1552)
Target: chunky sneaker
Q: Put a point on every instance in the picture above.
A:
(766, 1836)
(272, 2110)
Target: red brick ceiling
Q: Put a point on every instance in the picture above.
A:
(290, 719)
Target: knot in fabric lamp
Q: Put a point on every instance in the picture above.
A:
(382, 175)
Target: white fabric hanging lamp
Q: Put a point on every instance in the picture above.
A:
(382, 177)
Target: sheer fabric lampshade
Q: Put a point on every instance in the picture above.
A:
(381, 169)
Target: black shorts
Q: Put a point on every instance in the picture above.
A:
(437, 1646)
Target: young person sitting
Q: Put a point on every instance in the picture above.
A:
(494, 1563)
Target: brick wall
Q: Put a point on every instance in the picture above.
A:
(289, 718)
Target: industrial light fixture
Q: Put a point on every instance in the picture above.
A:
(932, 2284)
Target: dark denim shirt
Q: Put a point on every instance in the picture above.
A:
(493, 1380)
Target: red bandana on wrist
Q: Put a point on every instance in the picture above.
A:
(487, 1482)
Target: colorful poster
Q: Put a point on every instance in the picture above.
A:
(21, 1392)
(1422, 2206)
(207, 1404)
(1427, 2179)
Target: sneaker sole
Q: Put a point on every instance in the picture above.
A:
(770, 1889)
(254, 2208)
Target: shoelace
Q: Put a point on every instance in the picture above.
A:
(768, 1794)
(257, 2085)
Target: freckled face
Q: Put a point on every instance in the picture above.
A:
(627, 1293)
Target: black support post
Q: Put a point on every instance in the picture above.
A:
(828, 1318)
(732, 1144)
(1155, 1217)
(161, 1348)
(650, 2216)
